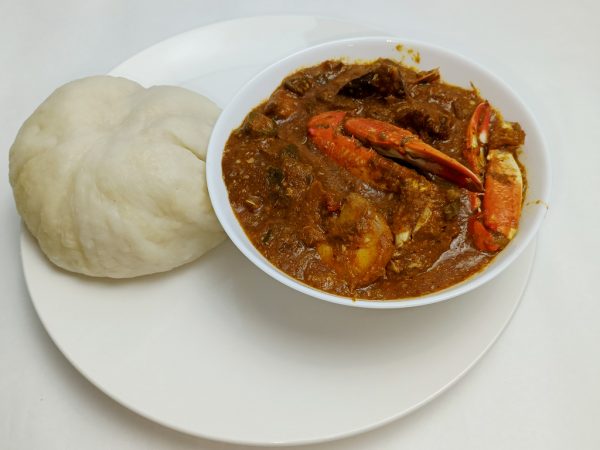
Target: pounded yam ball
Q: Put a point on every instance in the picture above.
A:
(110, 177)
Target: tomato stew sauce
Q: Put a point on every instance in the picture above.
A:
(313, 218)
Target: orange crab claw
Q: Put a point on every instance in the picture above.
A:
(482, 237)
(325, 131)
(503, 193)
(397, 142)
(477, 136)
(495, 219)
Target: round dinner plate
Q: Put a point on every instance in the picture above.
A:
(218, 349)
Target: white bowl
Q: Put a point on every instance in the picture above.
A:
(455, 69)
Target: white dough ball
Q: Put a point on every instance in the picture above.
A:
(110, 177)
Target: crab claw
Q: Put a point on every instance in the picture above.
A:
(496, 224)
(396, 142)
(494, 220)
(478, 131)
(477, 136)
(503, 193)
(364, 163)
(483, 238)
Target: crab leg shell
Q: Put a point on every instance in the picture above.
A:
(397, 142)
(503, 193)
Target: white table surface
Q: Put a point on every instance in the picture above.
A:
(538, 388)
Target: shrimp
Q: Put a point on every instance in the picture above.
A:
(359, 243)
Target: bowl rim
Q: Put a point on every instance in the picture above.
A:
(215, 182)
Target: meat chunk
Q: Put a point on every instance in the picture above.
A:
(259, 125)
(282, 104)
(381, 80)
(299, 84)
(427, 120)
(506, 134)
(297, 177)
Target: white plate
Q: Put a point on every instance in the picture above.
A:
(218, 349)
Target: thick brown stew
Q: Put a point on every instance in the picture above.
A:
(331, 212)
